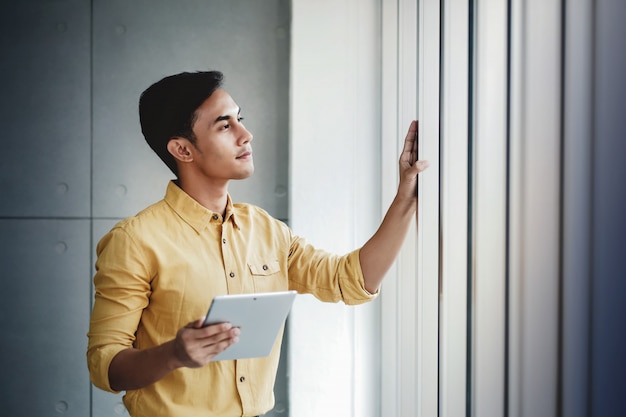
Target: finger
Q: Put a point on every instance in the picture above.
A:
(222, 339)
(218, 348)
(411, 136)
(416, 143)
(193, 333)
(214, 329)
(409, 151)
(193, 347)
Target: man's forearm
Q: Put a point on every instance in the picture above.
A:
(193, 347)
(133, 368)
(381, 250)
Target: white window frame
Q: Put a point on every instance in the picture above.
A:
(410, 294)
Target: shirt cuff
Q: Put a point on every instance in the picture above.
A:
(98, 361)
(353, 285)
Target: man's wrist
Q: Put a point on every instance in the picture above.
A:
(404, 203)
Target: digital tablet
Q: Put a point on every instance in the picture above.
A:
(260, 317)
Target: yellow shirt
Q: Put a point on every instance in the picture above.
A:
(159, 270)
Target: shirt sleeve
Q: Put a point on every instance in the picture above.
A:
(122, 291)
(327, 276)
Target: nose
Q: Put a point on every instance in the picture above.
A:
(244, 135)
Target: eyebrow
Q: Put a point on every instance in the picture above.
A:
(226, 117)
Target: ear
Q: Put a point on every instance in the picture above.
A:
(180, 148)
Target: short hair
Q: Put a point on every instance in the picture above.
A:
(167, 109)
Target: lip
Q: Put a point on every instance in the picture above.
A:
(245, 155)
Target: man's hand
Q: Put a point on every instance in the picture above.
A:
(409, 165)
(195, 345)
(380, 250)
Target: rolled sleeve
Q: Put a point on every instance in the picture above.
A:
(326, 276)
(122, 292)
(98, 361)
(351, 281)
(354, 282)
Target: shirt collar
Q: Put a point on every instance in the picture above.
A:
(192, 212)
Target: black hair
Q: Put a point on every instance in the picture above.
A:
(167, 109)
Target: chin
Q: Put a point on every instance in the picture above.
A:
(244, 175)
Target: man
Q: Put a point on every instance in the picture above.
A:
(157, 270)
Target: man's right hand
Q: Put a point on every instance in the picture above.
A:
(195, 345)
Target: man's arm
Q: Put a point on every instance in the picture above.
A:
(381, 250)
(193, 347)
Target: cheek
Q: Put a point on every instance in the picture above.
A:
(217, 155)
(213, 154)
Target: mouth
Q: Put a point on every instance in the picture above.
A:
(245, 155)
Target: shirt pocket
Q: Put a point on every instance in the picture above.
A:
(267, 276)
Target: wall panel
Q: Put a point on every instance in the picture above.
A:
(489, 208)
(577, 150)
(44, 315)
(608, 291)
(334, 174)
(454, 208)
(427, 261)
(535, 209)
(45, 108)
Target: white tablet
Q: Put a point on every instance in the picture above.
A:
(260, 317)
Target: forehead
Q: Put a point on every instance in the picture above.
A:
(219, 103)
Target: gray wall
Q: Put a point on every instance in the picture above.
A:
(607, 260)
(76, 162)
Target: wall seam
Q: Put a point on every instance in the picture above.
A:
(91, 174)
(470, 211)
(592, 192)
(507, 220)
(561, 240)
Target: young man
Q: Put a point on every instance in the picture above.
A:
(156, 270)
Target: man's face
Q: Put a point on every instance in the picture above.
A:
(222, 150)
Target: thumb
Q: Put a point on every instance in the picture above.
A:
(421, 165)
(196, 324)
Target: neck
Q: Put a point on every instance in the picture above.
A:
(212, 196)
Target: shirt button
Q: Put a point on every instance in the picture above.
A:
(265, 267)
(242, 379)
(232, 275)
(224, 241)
(215, 217)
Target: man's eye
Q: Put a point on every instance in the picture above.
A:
(226, 126)
(239, 119)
